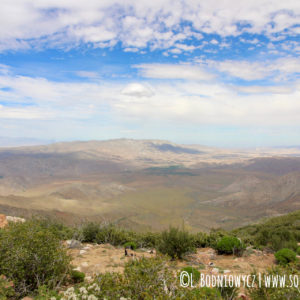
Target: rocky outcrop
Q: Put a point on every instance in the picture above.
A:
(14, 219)
(4, 220)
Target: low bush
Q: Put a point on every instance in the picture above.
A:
(201, 240)
(148, 239)
(229, 245)
(130, 245)
(77, 276)
(90, 231)
(112, 235)
(176, 242)
(285, 256)
(298, 251)
(32, 256)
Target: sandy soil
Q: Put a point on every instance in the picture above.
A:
(95, 259)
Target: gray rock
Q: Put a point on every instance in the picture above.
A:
(73, 244)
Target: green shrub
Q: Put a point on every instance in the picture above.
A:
(285, 256)
(229, 245)
(32, 256)
(214, 236)
(147, 275)
(176, 243)
(77, 276)
(298, 251)
(131, 245)
(90, 232)
(192, 272)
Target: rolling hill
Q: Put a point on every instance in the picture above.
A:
(150, 184)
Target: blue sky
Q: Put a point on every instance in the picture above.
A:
(216, 73)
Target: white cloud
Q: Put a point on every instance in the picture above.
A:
(179, 71)
(137, 90)
(131, 49)
(186, 102)
(278, 69)
(266, 89)
(43, 23)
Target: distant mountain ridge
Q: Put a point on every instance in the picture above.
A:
(150, 183)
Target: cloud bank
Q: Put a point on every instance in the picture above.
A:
(158, 24)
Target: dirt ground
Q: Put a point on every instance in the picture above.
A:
(95, 259)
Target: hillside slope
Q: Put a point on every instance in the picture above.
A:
(150, 184)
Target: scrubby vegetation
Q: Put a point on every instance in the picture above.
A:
(229, 245)
(31, 256)
(142, 279)
(130, 245)
(289, 291)
(285, 256)
(176, 242)
(77, 276)
(110, 233)
(275, 233)
(34, 261)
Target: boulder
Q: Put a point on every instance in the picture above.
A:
(15, 219)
